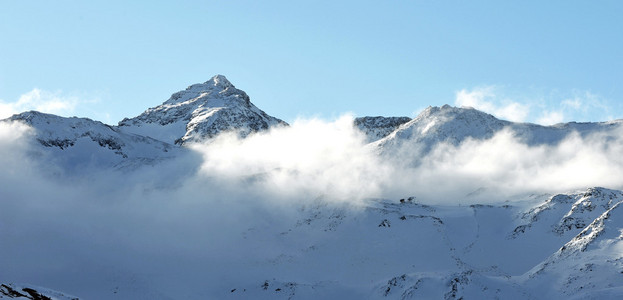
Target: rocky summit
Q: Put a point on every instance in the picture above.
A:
(201, 111)
(157, 207)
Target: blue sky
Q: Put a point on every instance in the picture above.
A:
(537, 61)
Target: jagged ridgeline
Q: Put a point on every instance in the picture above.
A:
(199, 112)
(204, 110)
(535, 245)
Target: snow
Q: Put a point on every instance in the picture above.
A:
(79, 143)
(454, 125)
(433, 252)
(28, 291)
(403, 250)
(199, 112)
(203, 239)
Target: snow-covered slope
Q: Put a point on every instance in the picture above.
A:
(407, 250)
(199, 112)
(454, 125)
(590, 266)
(376, 128)
(533, 246)
(20, 291)
(391, 249)
(74, 143)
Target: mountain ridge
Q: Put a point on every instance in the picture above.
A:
(202, 111)
(535, 246)
(453, 125)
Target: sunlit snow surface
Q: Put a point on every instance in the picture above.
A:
(452, 204)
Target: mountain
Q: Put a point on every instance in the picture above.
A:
(201, 111)
(211, 238)
(74, 143)
(589, 266)
(403, 249)
(376, 128)
(13, 291)
(454, 125)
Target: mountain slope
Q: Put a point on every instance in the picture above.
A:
(387, 249)
(590, 266)
(13, 291)
(199, 112)
(376, 128)
(74, 143)
(454, 125)
(408, 250)
(214, 237)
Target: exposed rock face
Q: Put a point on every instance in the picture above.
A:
(590, 265)
(201, 111)
(570, 212)
(13, 291)
(460, 252)
(541, 246)
(377, 128)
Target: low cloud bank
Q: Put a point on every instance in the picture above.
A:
(195, 220)
(313, 158)
(317, 159)
(505, 166)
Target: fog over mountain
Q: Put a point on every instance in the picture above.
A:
(206, 196)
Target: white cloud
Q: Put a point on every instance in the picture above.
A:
(575, 103)
(541, 108)
(586, 106)
(310, 158)
(581, 106)
(485, 99)
(551, 118)
(116, 230)
(40, 100)
(506, 166)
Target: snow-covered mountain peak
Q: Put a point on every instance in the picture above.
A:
(451, 113)
(38, 118)
(453, 125)
(219, 80)
(48, 126)
(218, 87)
(451, 121)
(442, 124)
(74, 143)
(201, 111)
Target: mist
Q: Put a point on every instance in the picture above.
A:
(315, 158)
(505, 166)
(197, 221)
